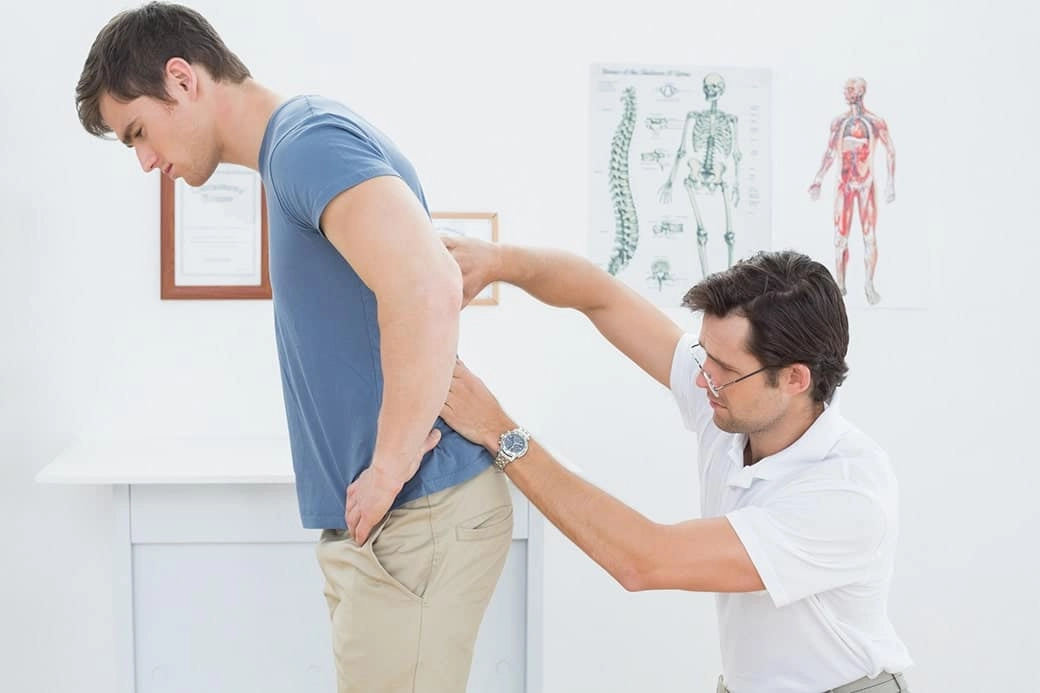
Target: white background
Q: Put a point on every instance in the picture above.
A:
(490, 101)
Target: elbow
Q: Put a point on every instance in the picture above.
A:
(649, 564)
(632, 581)
(442, 295)
(635, 575)
(450, 288)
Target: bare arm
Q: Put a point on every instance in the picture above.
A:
(565, 280)
(703, 555)
(382, 230)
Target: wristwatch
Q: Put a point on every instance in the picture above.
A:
(512, 445)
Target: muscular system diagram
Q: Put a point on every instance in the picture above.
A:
(853, 137)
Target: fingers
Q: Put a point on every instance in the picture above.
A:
(431, 441)
(362, 530)
(353, 515)
(352, 507)
(460, 368)
(352, 496)
(356, 524)
(354, 512)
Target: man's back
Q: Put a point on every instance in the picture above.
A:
(326, 318)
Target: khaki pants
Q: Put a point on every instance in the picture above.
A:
(406, 606)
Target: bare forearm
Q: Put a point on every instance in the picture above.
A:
(419, 343)
(627, 320)
(554, 277)
(696, 555)
(612, 534)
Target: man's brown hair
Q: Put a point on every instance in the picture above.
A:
(796, 311)
(128, 58)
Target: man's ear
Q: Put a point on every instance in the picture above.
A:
(181, 78)
(796, 379)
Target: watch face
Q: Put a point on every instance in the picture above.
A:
(514, 443)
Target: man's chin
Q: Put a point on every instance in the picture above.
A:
(722, 423)
(195, 180)
(726, 424)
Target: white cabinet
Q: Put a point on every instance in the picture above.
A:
(218, 587)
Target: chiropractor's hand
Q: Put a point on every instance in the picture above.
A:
(478, 261)
(372, 493)
(473, 411)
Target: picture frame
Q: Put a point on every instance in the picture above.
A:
(482, 225)
(214, 238)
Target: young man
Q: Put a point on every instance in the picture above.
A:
(366, 356)
(800, 519)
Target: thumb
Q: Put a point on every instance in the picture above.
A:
(431, 441)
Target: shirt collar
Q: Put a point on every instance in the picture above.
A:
(810, 448)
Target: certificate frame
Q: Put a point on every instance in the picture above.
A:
(170, 243)
(482, 225)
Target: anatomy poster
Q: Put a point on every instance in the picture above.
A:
(680, 163)
(856, 227)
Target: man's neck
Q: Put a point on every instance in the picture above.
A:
(243, 111)
(781, 434)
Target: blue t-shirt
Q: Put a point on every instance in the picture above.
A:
(325, 316)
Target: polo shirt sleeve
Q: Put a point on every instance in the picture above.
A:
(692, 401)
(314, 164)
(811, 537)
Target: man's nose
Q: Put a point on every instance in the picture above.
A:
(147, 158)
(700, 380)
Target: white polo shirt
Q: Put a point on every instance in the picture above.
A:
(819, 520)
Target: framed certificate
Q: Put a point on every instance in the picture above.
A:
(482, 225)
(214, 237)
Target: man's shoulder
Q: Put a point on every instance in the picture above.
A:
(308, 130)
(305, 115)
(858, 460)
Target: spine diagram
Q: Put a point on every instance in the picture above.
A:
(626, 225)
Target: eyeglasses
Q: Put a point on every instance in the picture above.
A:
(700, 357)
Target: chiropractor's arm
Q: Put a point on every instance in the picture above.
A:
(700, 555)
(628, 321)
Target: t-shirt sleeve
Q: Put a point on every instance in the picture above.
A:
(319, 161)
(812, 537)
(692, 400)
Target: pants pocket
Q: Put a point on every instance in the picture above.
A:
(402, 548)
(487, 525)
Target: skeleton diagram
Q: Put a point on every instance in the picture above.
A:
(854, 135)
(712, 137)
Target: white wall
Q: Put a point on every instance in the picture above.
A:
(490, 102)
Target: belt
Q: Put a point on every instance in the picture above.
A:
(885, 683)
